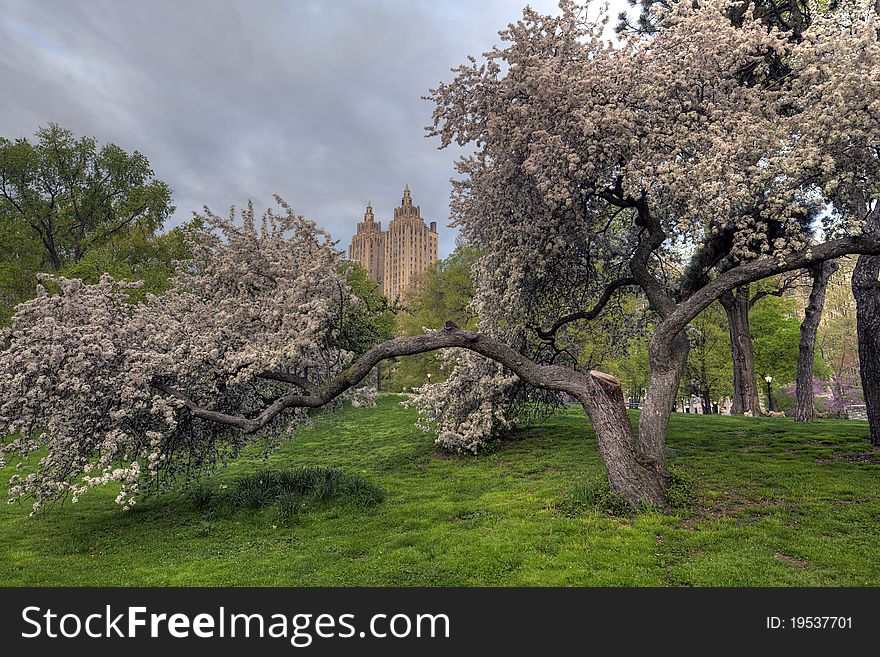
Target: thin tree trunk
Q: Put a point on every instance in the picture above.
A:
(866, 290)
(667, 362)
(745, 390)
(706, 401)
(805, 410)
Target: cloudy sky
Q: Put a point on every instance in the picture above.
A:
(317, 100)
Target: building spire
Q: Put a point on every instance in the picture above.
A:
(407, 198)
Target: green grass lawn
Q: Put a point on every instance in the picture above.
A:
(776, 504)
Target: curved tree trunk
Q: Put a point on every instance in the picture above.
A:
(866, 290)
(630, 473)
(806, 408)
(636, 465)
(745, 389)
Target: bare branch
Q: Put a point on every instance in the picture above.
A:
(759, 269)
(786, 285)
(551, 377)
(590, 314)
(287, 377)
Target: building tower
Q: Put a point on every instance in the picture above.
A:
(410, 247)
(368, 245)
(395, 257)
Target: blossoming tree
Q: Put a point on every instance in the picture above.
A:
(105, 386)
(596, 169)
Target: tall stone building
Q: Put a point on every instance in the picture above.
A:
(368, 246)
(395, 257)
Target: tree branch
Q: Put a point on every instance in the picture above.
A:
(551, 377)
(125, 222)
(652, 240)
(776, 292)
(759, 269)
(590, 314)
(716, 248)
(287, 377)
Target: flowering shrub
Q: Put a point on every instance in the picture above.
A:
(85, 374)
(479, 400)
(364, 396)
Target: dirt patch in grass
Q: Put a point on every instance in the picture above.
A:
(444, 454)
(732, 505)
(470, 515)
(787, 558)
(857, 500)
(868, 456)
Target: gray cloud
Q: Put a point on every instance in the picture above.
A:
(318, 101)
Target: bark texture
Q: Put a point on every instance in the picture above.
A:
(667, 361)
(736, 304)
(866, 291)
(631, 473)
(805, 409)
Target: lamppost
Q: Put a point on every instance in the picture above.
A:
(769, 380)
(429, 378)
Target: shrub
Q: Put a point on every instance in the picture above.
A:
(595, 495)
(201, 495)
(252, 491)
(289, 504)
(291, 491)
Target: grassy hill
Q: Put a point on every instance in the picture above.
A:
(774, 503)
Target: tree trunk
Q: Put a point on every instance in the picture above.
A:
(806, 408)
(706, 400)
(667, 363)
(630, 473)
(745, 390)
(866, 291)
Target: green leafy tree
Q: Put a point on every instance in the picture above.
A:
(366, 323)
(134, 256)
(75, 196)
(68, 206)
(708, 369)
(20, 260)
(443, 293)
(631, 367)
(776, 329)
